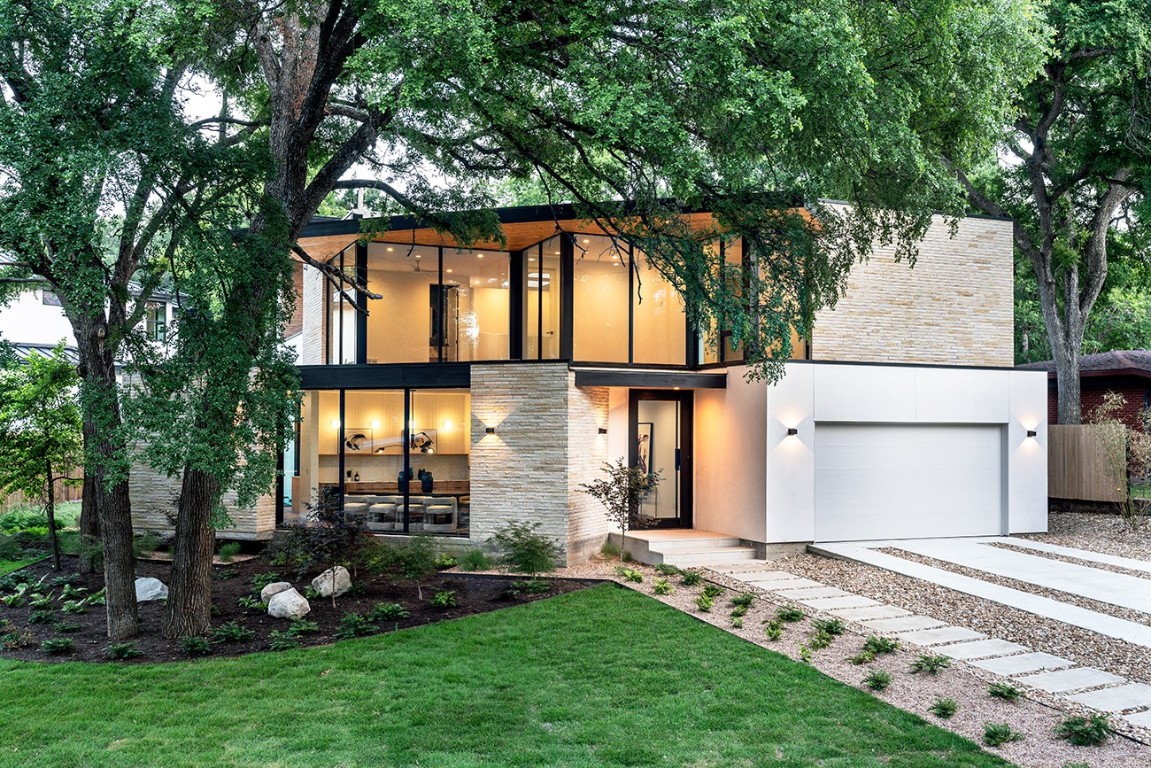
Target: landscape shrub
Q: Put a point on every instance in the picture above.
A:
(1090, 731)
(525, 550)
(998, 734)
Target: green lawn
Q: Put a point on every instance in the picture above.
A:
(7, 566)
(603, 677)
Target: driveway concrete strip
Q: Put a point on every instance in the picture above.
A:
(1011, 666)
(1092, 583)
(869, 612)
(850, 601)
(982, 649)
(1136, 634)
(1078, 554)
(903, 624)
(807, 592)
(1116, 699)
(1074, 679)
(929, 637)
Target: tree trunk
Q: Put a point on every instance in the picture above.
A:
(107, 466)
(190, 583)
(50, 509)
(89, 517)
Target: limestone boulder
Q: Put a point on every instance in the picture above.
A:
(148, 589)
(274, 588)
(288, 604)
(332, 582)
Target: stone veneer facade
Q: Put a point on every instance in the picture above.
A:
(546, 444)
(154, 497)
(954, 307)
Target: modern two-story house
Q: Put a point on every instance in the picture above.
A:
(487, 383)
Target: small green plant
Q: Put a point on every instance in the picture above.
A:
(72, 592)
(774, 630)
(10, 641)
(58, 646)
(863, 657)
(529, 587)
(282, 641)
(944, 708)
(232, 632)
(744, 600)
(932, 664)
(629, 574)
(14, 600)
(225, 574)
(877, 680)
(611, 550)
(998, 734)
(122, 651)
(310, 593)
(303, 627)
(1090, 731)
(69, 628)
(42, 601)
(389, 612)
(445, 598)
(525, 550)
(789, 613)
(834, 627)
(1005, 691)
(1069, 764)
(666, 569)
(144, 544)
(355, 625)
(42, 617)
(662, 587)
(97, 598)
(690, 578)
(195, 646)
(251, 603)
(738, 611)
(704, 603)
(74, 606)
(819, 639)
(805, 654)
(228, 552)
(261, 580)
(737, 622)
(880, 645)
(444, 560)
(475, 560)
(713, 590)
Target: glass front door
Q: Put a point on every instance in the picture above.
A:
(661, 441)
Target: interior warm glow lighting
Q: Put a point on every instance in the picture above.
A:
(479, 255)
(418, 256)
(586, 241)
(335, 423)
(448, 271)
(375, 423)
(390, 249)
(447, 425)
(531, 258)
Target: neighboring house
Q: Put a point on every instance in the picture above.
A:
(510, 375)
(1126, 372)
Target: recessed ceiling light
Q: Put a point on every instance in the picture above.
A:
(448, 271)
(417, 255)
(479, 255)
(531, 258)
(390, 249)
(586, 241)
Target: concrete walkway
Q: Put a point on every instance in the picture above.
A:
(1056, 676)
(975, 553)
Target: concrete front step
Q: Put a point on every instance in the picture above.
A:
(683, 545)
(693, 557)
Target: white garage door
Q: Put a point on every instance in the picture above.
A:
(907, 481)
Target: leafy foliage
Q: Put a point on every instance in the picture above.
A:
(1089, 731)
(622, 491)
(929, 663)
(475, 560)
(944, 708)
(1005, 691)
(123, 651)
(877, 680)
(525, 550)
(998, 734)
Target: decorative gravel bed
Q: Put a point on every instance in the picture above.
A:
(1036, 720)
(1095, 532)
(1073, 560)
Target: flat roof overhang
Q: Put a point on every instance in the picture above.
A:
(522, 226)
(639, 378)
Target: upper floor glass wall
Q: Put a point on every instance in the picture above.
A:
(542, 293)
(600, 300)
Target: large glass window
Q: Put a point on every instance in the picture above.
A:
(474, 317)
(541, 292)
(400, 321)
(659, 320)
(395, 474)
(341, 309)
(719, 345)
(600, 300)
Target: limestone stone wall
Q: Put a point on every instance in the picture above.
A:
(312, 297)
(587, 451)
(154, 507)
(954, 307)
(546, 443)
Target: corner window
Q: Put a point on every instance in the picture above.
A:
(156, 320)
(49, 298)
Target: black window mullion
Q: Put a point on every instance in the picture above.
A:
(631, 267)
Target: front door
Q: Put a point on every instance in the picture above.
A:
(660, 437)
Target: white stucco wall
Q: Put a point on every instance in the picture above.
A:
(813, 393)
(28, 320)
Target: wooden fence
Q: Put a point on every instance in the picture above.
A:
(1085, 464)
(64, 492)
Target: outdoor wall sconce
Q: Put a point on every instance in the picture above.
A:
(1032, 433)
(489, 430)
(792, 431)
(603, 430)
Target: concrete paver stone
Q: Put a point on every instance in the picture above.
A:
(1073, 679)
(940, 636)
(850, 601)
(981, 649)
(1116, 699)
(903, 623)
(806, 592)
(1010, 666)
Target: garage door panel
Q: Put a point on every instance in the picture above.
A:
(907, 481)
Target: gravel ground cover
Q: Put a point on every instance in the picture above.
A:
(1036, 719)
(1073, 560)
(1109, 534)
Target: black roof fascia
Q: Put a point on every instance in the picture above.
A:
(397, 376)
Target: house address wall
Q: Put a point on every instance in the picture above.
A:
(954, 307)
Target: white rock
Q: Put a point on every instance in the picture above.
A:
(148, 588)
(288, 604)
(334, 581)
(274, 588)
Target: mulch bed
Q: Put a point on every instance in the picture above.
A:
(474, 594)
